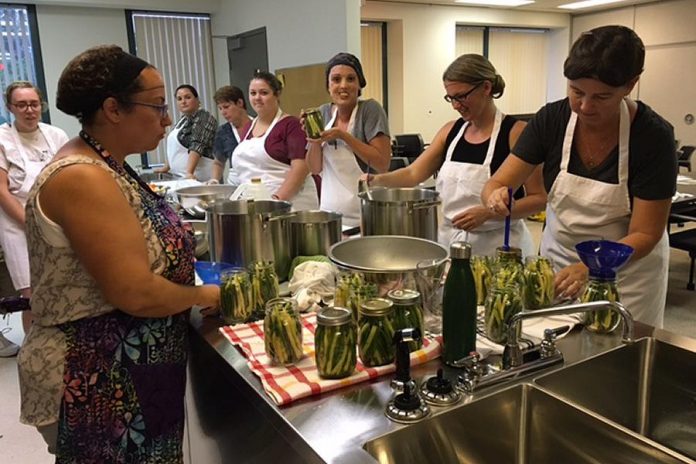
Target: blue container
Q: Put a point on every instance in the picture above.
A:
(603, 257)
(210, 271)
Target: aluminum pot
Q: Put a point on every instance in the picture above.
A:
(241, 232)
(313, 232)
(196, 199)
(392, 262)
(400, 211)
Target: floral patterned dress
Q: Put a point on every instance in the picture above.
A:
(123, 377)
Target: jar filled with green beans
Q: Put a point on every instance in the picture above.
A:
(507, 268)
(264, 286)
(236, 305)
(482, 268)
(602, 320)
(538, 282)
(282, 331)
(360, 294)
(502, 302)
(376, 332)
(408, 313)
(335, 341)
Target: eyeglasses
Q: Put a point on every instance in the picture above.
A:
(163, 109)
(461, 98)
(23, 106)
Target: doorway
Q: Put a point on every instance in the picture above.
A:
(247, 52)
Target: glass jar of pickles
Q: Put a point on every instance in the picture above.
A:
(282, 331)
(408, 313)
(508, 268)
(481, 266)
(538, 282)
(502, 302)
(359, 294)
(334, 342)
(376, 332)
(236, 305)
(602, 320)
(264, 286)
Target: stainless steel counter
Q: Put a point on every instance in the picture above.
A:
(233, 414)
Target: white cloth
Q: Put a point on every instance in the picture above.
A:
(250, 159)
(460, 186)
(310, 281)
(580, 209)
(12, 237)
(340, 175)
(178, 156)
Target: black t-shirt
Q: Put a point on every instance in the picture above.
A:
(475, 153)
(652, 164)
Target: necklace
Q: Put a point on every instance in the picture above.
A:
(593, 155)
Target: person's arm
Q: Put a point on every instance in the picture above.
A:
(87, 203)
(9, 204)
(376, 153)
(218, 169)
(512, 173)
(294, 180)
(191, 162)
(204, 127)
(314, 156)
(647, 225)
(421, 169)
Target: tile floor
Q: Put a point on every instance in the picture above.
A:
(20, 444)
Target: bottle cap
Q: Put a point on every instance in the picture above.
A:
(404, 296)
(255, 180)
(460, 250)
(334, 316)
(376, 307)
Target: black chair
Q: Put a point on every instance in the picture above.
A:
(408, 146)
(397, 162)
(684, 156)
(686, 241)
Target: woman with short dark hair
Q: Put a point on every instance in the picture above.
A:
(103, 370)
(609, 169)
(232, 105)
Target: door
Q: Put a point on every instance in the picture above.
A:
(247, 52)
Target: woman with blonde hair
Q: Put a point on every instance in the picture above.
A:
(465, 153)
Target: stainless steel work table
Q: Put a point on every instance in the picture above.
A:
(234, 414)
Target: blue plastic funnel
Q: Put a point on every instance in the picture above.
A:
(603, 257)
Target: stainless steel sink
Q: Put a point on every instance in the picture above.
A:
(158, 176)
(521, 424)
(648, 387)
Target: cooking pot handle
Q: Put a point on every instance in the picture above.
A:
(426, 204)
(282, 216)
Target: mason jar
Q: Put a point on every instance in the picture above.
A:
(601, 320)
(359, 294)
(482, 267)
(282, 331)
(502, 302)
(236, 305)
(335, 342)
(376, 332)
(264, 285)
(507, 268)
(538, 282)
(408, 313)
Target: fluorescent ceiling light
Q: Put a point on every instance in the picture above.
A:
(587, 4)
(496, 2)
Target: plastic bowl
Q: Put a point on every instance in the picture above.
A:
(210, 271)
(603, 257)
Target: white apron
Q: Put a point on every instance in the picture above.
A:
(12, 237)
(232, 176)
(340, 175)
(582, 209)
(250, 160)
(178, 156)
(460, 186)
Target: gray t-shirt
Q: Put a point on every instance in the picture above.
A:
(370, 121)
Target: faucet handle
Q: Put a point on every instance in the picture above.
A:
(548, 344)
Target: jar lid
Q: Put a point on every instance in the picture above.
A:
(376, 307)
(460, 250)
(334, 316)
(404, 296)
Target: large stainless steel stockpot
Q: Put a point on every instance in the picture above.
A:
(400, 211)
(241, 232)
(313, 232)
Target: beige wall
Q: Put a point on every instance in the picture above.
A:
(422, 46)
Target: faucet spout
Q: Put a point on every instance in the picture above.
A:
(512, 355)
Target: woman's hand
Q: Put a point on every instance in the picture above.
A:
(163, 169)
(303, 119)
(570, 281)
(498, 201)
(472, 218)
(331, 134)
(210, 302)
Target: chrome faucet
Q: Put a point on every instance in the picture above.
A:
(478, 374)
(512, 356)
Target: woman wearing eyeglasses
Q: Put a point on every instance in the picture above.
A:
(190, 142)
(26, 146)
(465, 153)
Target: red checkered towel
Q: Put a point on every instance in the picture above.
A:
(286, 384)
